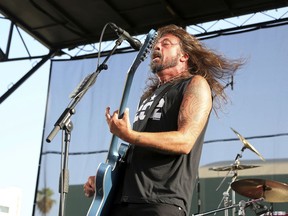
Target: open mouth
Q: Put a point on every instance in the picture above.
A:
(156, 56)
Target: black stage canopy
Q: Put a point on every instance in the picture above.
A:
(59, 24)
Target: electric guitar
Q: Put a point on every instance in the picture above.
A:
(108, 174)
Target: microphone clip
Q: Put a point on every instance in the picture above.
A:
(122, 34)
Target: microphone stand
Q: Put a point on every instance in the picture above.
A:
(64, 123)
(64, 174)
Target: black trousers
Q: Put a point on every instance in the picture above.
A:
(146, 209)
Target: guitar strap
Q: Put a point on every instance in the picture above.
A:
(163, 89)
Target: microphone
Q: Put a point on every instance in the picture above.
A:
(135, 43)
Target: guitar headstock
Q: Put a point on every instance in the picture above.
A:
(148, 43)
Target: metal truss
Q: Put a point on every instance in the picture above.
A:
(31, 49)
(238, 24)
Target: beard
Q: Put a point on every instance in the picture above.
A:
(160, 64)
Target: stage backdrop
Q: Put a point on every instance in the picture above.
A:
(258, 110)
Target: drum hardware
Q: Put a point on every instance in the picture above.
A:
(225, 200)
(275, 213)
(260, 209)
(241, 212)
(234, 168)
(268, 190)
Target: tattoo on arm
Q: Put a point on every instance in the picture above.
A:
(192, 109)
(137, 139)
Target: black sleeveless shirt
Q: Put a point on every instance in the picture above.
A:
(155, 177)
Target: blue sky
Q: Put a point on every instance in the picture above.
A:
(22, 117)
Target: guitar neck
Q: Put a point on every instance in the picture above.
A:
(113, 151)
(112, 156)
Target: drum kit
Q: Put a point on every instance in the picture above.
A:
(257, 190)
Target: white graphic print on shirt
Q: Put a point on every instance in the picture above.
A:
(146, 104)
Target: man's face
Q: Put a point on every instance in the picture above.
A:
(165, 54)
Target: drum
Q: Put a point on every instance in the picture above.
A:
(275, 213)
(279, 213)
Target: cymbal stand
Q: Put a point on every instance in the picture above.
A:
(225, 198)
(236, 164)
(242, 205)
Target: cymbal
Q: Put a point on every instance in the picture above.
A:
(232, 167)
(247, 144)
(271, 191)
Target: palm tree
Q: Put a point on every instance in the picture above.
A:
(44, 200)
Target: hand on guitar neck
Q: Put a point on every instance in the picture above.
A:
(119, 124)
(89, 187)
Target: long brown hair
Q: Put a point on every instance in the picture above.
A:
(215, 68)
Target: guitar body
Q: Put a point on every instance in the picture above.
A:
(104, 179)
(110, 174)
(108, 177)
